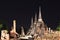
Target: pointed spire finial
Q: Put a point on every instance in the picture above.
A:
(40, 17)
(35, 18)
(22, 31)
(14, 25)
(39, 12)
(31, 21)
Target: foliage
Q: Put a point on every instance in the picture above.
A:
(1, 25)
(58, 27)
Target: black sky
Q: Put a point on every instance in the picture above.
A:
(23, 11)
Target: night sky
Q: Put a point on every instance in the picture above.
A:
(23, 11)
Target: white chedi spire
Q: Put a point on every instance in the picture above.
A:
(22, 31)
(32, 22)
(40, 17)
(14, 28)
(35, 18)
(31, 26)
(14, 25)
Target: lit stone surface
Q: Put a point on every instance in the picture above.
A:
(39, 20)
(38, 31)
(7, 36)
(4, 35)
(14, 25)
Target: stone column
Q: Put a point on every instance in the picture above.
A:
(14, 25)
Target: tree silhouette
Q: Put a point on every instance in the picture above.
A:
(4, 27)
(58, 27)
(1, 26)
